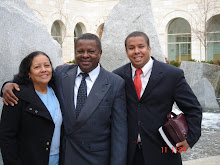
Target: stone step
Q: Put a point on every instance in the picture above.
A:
(213, 160)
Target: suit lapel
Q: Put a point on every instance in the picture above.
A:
(129, 82)
(155, 77)
(68, 83)
(98, 91)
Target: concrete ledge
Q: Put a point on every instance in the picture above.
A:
(213, 160)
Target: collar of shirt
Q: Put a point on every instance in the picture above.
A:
(92, 75)
(146, 68)
(89, 81)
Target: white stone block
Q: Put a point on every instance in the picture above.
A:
(126, 17)
(22, 33)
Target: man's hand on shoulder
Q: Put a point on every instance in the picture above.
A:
(8, 95)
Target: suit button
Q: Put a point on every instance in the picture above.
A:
(139, 104)
(139, 122)
(48, 143)
(36, 111)
(47, 149)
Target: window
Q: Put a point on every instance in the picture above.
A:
(179, 40)
(100, 30)
(213, 45)
(56, 32)
(77, 31)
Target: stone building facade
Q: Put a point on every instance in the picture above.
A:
(184, 27)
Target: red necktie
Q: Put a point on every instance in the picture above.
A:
(137, 82)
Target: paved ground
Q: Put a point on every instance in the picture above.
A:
(213, 160)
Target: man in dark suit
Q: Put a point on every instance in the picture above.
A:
(95, 127)
(152, 87)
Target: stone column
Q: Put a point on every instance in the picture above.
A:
(22, 33)
(128, 16)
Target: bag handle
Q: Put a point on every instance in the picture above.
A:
(169, 115)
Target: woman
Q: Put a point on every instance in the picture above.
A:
(30, 131)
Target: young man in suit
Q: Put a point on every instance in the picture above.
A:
(95, 127)
(152, 87)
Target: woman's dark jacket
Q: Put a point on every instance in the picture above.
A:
(26, 130)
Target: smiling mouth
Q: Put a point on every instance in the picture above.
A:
(85, 62)
(137, 59)
(44, 76)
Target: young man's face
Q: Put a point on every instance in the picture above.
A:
(87, 55)
(138, 51)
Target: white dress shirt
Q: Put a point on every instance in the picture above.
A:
(90, 80)
(147, 69)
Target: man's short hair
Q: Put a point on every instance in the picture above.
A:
(137, 34)
(89, 36)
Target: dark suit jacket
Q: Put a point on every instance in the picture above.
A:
(99, 135)
(166, 86)
(26, 130)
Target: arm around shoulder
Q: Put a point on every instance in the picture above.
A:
(7, 93)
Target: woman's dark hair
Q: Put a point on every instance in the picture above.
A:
(22, 78)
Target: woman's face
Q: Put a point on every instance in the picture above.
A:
(40, 71)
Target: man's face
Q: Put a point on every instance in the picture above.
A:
(87, 55)
(138, 51)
